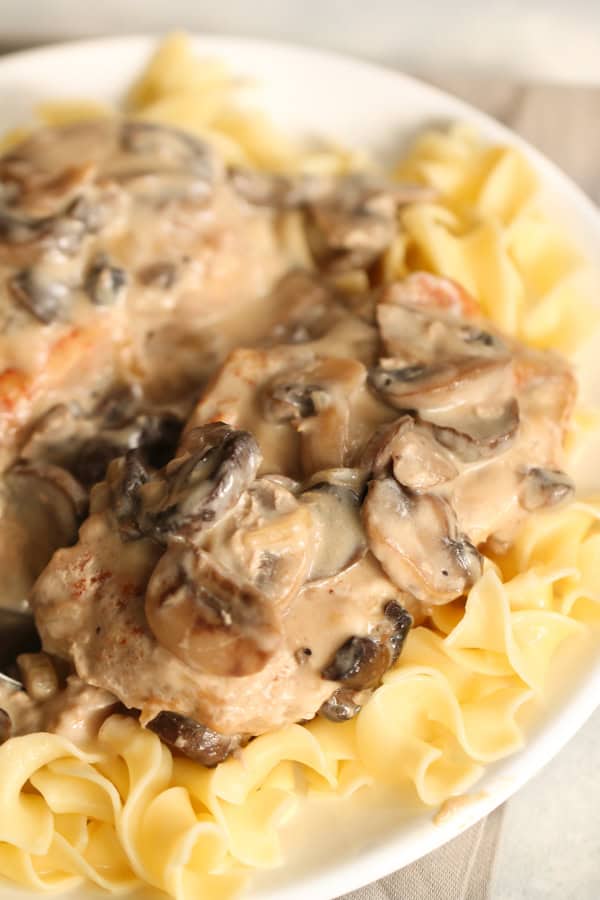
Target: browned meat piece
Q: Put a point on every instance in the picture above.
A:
(230, 598)
(234, 624)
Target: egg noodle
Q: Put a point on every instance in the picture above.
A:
(127, 812)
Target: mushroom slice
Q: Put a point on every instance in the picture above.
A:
(316, 401)
(267, 540)
(63, 231)
(295, 400)
(53, 477)
(354, 220)
(453, 382)
(307, 307)
(339, 539)
(480, 433)
(433, 358)
(192, 739)
(416, 540)
(206, 618)
(42, 506)
(198, 488)
(341, 706)
(269, 188)
(105, 283)
(417, 460)
(394, 630)
(545, 487)
(46, 299)
(170, 146)
(415, 335)
(361, 662)
(125, 477)
(19, 230)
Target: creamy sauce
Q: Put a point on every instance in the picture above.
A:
(144, 207)
(75, 713)
(347, 454)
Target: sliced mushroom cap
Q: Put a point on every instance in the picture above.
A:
(416, 458)
(42, 506)
(267, 540)
(50, 476)
(434, 359)
(306, 307)
(339, 538)
(198, 488)
(351, 227)
(125, 477)
(167, 145)
(479, 432)
(413, 334)
(35, 182)
(361, 662)
(24, 238)
(305, 392)
(353, 222)
(289, 401)
(44, 297)
(416, 540)
(165, 164)
(206, 618)
(285, 192)
(316, 401)
(341, 706)
(545, 487)
(453, 382)
(105, 283)
(192, 739)
(269, 188)
(17, 230)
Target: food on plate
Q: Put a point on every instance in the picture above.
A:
(283, 455)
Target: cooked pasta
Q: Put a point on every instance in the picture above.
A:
(126, 812)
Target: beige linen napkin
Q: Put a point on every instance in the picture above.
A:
(460, 870)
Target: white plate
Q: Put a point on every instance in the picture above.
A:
(337, 846)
